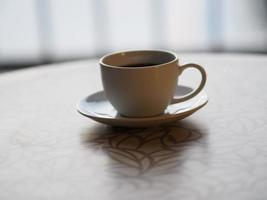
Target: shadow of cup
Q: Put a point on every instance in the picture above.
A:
(147, 151)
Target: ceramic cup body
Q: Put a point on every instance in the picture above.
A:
(142, 91)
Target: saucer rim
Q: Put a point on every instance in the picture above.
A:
(143, 119)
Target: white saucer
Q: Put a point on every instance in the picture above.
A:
(98, 108)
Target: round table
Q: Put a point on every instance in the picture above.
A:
(49, 151)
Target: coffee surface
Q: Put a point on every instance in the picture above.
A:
(140, 65)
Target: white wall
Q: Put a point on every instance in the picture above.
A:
(59, 29)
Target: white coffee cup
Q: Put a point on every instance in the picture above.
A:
(142, 83)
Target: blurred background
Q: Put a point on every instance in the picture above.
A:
(34, 32)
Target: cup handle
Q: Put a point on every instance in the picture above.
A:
(199, 88)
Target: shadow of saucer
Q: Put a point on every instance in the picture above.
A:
(146, 151)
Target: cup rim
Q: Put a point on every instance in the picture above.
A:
(141, 50)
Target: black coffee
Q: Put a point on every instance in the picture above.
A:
(140, 65)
